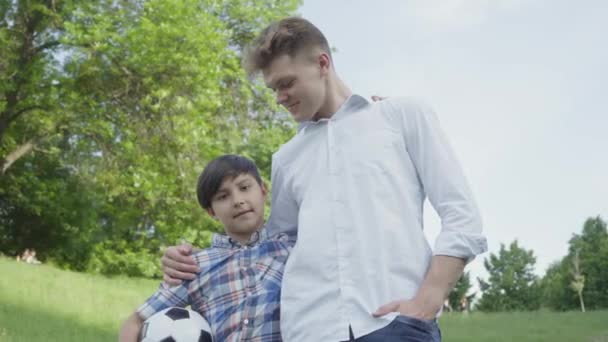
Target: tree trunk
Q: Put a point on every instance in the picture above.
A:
(580, 298)
(19, 152)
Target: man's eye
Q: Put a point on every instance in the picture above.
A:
(286, 85)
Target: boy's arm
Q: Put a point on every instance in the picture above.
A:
(131, 329)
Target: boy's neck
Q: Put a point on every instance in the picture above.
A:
(243, 238)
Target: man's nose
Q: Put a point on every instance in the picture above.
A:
(282, 97)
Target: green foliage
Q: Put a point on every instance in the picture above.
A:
(512, 285)
(117, 107)
(592, 248)
(460, 292)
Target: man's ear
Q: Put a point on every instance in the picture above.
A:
(324, 63)
(211, 213)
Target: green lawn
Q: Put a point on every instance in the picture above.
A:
(42, 303)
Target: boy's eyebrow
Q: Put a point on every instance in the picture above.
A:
(244, 180)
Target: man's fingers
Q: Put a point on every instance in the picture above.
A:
(185, 264)
(171, 281)
(185, 248)
(386, 308)
(173, 273)
(179, 254)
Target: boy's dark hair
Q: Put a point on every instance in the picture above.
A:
(226, 166)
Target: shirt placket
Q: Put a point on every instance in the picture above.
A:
(249, 285)
(338, 214)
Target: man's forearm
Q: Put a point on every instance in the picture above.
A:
(130, 329)
(441, 277)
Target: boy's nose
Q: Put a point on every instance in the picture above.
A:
(238, 202)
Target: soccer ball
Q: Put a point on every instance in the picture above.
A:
(176, 325)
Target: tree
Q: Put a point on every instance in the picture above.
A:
(578, 281)
(108, 113)
(585, 268)
(460, 293)
(512, 285)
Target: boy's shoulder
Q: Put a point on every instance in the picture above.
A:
(209, 256)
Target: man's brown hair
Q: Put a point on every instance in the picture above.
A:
(287, 36)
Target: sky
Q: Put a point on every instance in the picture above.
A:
(520, 88)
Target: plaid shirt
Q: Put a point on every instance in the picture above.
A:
(238, 289)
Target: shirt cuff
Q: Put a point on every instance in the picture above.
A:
(460, 245)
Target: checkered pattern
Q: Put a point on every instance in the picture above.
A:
(237, 291)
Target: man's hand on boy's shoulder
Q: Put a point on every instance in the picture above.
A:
(178, 264)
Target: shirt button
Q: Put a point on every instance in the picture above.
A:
(246, 321)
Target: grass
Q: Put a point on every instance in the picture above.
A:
(42, 303)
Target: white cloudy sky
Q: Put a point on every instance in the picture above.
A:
(521, 89)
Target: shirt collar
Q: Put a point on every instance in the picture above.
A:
(351, 105)
(225, 241)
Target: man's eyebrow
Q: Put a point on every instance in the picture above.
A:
(278, 82)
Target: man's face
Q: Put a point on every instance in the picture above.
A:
(299, 84)
(239, 205)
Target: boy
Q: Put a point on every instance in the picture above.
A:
(238, 287)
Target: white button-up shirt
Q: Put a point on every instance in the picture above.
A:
(353, 188)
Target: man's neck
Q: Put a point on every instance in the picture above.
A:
(337, 93)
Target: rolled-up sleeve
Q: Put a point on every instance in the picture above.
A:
(163, 298)
(444, 183)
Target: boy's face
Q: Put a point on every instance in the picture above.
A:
(239, 205)
(299, 83)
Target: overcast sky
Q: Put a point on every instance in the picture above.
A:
(521, 90)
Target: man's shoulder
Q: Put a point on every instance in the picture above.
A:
(402, 104)
(285, 154)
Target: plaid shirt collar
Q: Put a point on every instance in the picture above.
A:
(225, 241)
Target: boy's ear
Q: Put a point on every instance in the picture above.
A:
(211, 212)
(264, 189)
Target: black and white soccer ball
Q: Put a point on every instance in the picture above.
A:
(176, 325)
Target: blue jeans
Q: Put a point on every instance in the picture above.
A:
(404, 329)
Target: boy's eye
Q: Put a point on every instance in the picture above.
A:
(221, 197)
(245, 187)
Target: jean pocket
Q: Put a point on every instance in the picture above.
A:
(425, 324)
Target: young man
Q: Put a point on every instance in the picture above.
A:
(352, 183)
(238, 288)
